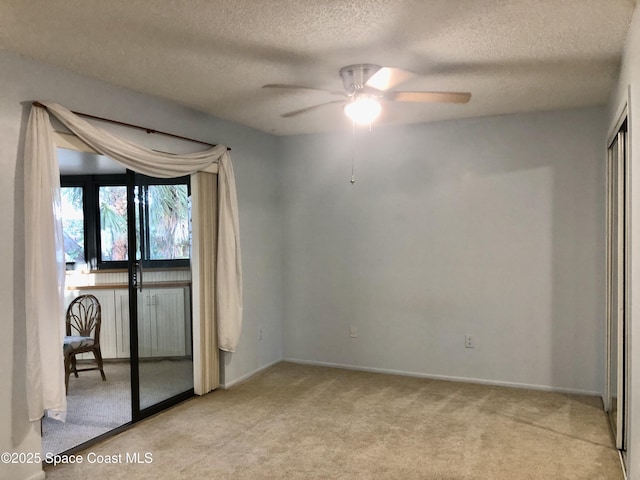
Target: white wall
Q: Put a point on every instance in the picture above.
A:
(492, 227)
(630, 82)
(253, 155)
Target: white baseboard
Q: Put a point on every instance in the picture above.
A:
(499, 383)
(37, 476)
(248, 375)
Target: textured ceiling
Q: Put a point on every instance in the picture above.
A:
(512, 55)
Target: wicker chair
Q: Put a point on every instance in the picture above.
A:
(83, 321)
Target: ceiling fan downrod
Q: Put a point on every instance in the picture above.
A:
(354, 77)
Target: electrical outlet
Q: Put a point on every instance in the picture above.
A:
(468, 341)
(260, 334)
(353, 331)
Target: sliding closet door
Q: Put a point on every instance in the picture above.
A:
(617, 211)
(159, 292)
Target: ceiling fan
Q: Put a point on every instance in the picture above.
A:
(365, 85)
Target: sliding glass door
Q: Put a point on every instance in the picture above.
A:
(159, 292)
(127, 241)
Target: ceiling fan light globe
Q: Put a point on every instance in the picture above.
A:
(363, 110)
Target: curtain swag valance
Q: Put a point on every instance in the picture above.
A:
(44, 252)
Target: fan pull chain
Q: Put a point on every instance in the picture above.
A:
(353, 151)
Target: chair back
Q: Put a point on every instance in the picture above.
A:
(84, 317)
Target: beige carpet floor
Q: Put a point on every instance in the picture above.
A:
(305, 422)
(95, 407)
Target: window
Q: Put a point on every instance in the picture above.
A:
(72, 203)
(94, 211)
(112, 205)
(168, 222)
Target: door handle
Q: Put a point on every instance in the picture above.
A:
(137, 275)
(139, 265)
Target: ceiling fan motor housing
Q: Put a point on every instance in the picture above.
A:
(354, 77)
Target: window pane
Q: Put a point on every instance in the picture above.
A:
(73, 223)
(112, 203)
(168, 222)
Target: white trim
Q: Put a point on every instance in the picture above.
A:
(626, 359)
(606, 398)
(624, 467)
(481, 381)
(623, 114)
(71, 142)
(247, 376)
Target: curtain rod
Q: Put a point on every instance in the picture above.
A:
(130, 125)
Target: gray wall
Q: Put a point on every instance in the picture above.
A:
(258, 185)
(628, 90)
(492, 227)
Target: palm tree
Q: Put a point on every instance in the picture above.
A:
(72, 223)
(168, 222)
(113, 222)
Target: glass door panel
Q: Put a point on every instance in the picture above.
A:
(161, 291)
(94, 207)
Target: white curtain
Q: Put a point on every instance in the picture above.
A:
(135, 157)
(228, 267)
(44, 271)
(44, 250)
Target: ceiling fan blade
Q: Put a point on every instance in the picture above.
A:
(309, 109)
(443, 97)
(388, 77)
(307, 89)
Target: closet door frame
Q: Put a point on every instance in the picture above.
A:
(617, 289)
